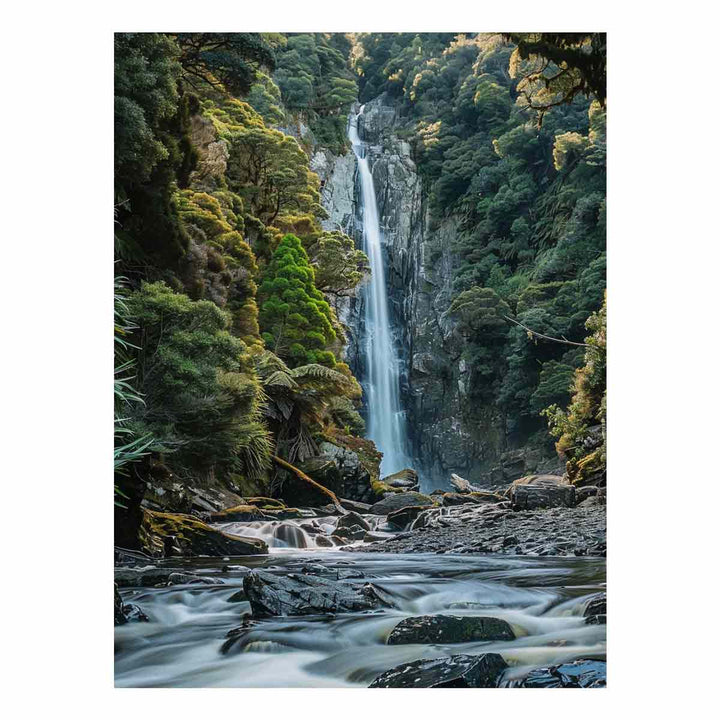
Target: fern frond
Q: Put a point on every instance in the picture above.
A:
(280, 379)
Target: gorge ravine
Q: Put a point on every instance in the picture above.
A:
(448, 430)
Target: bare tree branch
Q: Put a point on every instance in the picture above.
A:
(546, 337)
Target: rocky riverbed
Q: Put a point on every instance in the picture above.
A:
(469, 588)
(560, 531)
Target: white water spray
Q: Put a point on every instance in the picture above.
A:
(386, 421)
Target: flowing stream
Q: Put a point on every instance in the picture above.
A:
(183, 644)
(386, 420)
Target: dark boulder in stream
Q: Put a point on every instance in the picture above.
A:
(398, 501)
(449, 629)
(127, 612)
(404, 516)
(457, 671)
(349, 534)
(578, 674)
(359, 507)
(151, 576)
(352, 519)
(596, 605)
(296, 594)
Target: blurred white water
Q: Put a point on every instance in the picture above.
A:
(541, 598)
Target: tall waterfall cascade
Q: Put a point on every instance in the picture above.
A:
(386, 420)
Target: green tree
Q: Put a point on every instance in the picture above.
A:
(314, 77)
(304, 401)
(130, 447)
(339, 265)
(556, 67)
(226, 61)
(581, 429)
(152, 147)
(295, 318)
(202, 396)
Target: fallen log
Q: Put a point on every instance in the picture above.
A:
(307, 479)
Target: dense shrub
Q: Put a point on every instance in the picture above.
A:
(295, 317)
(202, 396)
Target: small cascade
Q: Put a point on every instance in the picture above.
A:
(386, 420)
(276, 533)
(315, 534)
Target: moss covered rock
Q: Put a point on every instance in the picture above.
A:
(265, 503)
(169, 534)
(239, 513)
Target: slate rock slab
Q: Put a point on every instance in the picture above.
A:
(596, 605)
(298, 594)
(398, 501)
(541, 491)
(449, 629)
(578, 674)
(457, 671)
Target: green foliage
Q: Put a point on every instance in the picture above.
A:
(529, 200)
(295, 317)
(146, 94)
(576, 428)
(481, 310)
(228, 61)
(206, 189)
(264, 96)
(130, 447)
(266, 168)
(314, 77)
(221, 265)
(152, 147)
(202, 396)
(305, 402)
(339, 266)
(554, 68)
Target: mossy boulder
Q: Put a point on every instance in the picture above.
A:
(589, 470)
(450, 499)
(239, 513)
(265, 503)
(485, 496)
(301, 489)
(164, 534)
(406, 479)
(341, 470)
(286, 513)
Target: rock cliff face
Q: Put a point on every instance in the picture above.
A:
(449, 431)
(337, 181)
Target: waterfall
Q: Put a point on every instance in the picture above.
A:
(386, 420)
